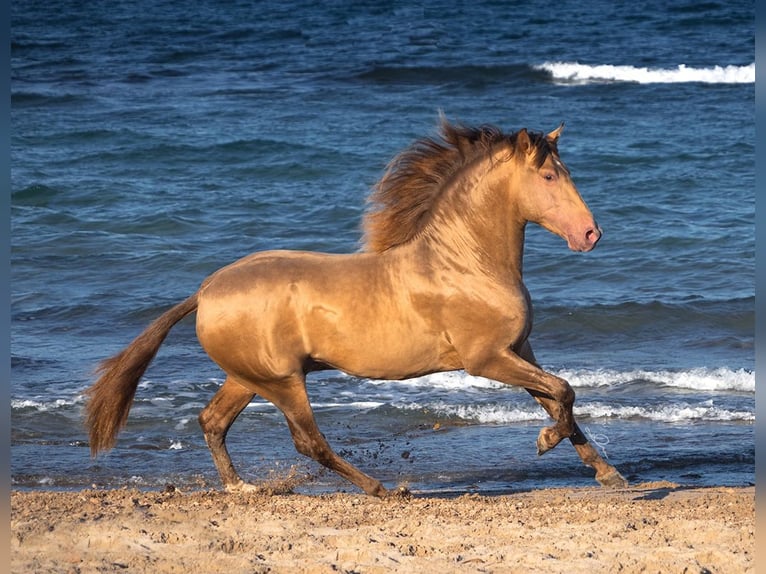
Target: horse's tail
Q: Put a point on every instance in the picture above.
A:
(110, 397)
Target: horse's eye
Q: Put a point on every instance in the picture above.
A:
(549, 176)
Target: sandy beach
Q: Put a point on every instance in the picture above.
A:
(653, 527)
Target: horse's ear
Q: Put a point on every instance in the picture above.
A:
(553, 137)
(522, 141)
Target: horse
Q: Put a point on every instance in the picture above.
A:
(435, 286)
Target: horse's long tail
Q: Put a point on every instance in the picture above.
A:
(110, 397)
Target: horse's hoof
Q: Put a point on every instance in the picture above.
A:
(547, 439)
(400, 493)
(243, 486)
(612, 479)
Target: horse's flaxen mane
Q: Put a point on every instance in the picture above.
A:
(403, 200)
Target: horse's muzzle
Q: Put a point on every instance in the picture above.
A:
(592, 236)
(588, 240)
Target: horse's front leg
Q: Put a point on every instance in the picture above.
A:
(507, 367)
(606, 474)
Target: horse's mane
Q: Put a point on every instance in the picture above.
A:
(402, 202)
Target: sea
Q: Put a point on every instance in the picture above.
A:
(154, 142)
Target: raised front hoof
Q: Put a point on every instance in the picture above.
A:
(612, 479)
(547, 439)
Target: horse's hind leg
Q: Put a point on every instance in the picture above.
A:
(216, 419)
(291, 398)
(606, 474)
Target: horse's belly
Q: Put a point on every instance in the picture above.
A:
(279, 342)
(374, 361)
(370, 345)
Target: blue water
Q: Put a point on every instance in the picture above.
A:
(153, 143)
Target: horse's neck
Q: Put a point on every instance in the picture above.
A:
(484, 234)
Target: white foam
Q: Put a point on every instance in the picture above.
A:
(448, 381)
(183, 423)
(576, 73)
(711, 380)
(43, 406)
(702, 379)
(670, 414)
(699, 379)
(506, 413)
(487, 414)
(360, 405)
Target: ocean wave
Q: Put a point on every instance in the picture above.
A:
(44, 406)
(45, 99)
(454, 383)
(484, 414)
(674, 413)
(321, 405)
(448, 381)
(720, 316)
(699, 379)
(508, 414)
(576, 73)
(466, 75)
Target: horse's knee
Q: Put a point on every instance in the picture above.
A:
(566, 421)
(569, 396)
(565, 393)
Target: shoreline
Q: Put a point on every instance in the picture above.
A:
(648, 527)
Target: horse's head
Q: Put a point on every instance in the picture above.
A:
(548, 196)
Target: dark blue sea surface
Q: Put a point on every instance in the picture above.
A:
(154, 142)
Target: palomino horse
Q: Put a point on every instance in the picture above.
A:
(438, 287)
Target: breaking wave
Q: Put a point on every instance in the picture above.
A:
(576, 73)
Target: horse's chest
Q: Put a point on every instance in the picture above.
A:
(513, 312)
(501, 315)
